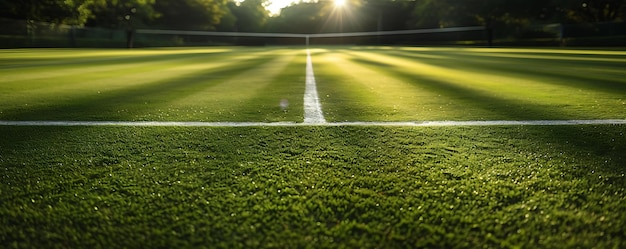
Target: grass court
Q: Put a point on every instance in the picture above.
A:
(312, 186)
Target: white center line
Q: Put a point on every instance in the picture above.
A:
(312, 108)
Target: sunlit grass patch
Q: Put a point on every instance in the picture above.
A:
(160, 84)
(355, 89)
(354, 84)
(350, 89)
(473, 84)
(250, 94)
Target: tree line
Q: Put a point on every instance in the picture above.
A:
(311, 16)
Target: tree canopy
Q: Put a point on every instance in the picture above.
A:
(310, 16)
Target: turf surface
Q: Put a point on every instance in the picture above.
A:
(312, 187)
(355, 84)
(299, 187)
(399, 84)
(160, 84)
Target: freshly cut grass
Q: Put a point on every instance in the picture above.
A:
(307, 186)
(395, 84)
(354, 84)
(313, 187)
(219, 84)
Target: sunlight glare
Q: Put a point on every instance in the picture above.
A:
(274, 6)
(340, 3)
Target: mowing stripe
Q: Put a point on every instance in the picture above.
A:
(293, 124)
(312, 108)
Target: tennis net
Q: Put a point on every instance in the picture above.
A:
(445, 36)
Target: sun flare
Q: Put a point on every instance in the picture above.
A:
(340, 3)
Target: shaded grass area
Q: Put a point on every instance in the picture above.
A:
(313, 187)
(220, 84)
(470, 84)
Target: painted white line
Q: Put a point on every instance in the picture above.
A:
(144, 123)
(293, 124)
(312, 108)
(487, 123)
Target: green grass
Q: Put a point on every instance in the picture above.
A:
(308, 187)
(400, 84)
(221, 84)
(355, 84)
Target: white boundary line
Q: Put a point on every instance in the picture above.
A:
(294, 124)
(312, 108)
